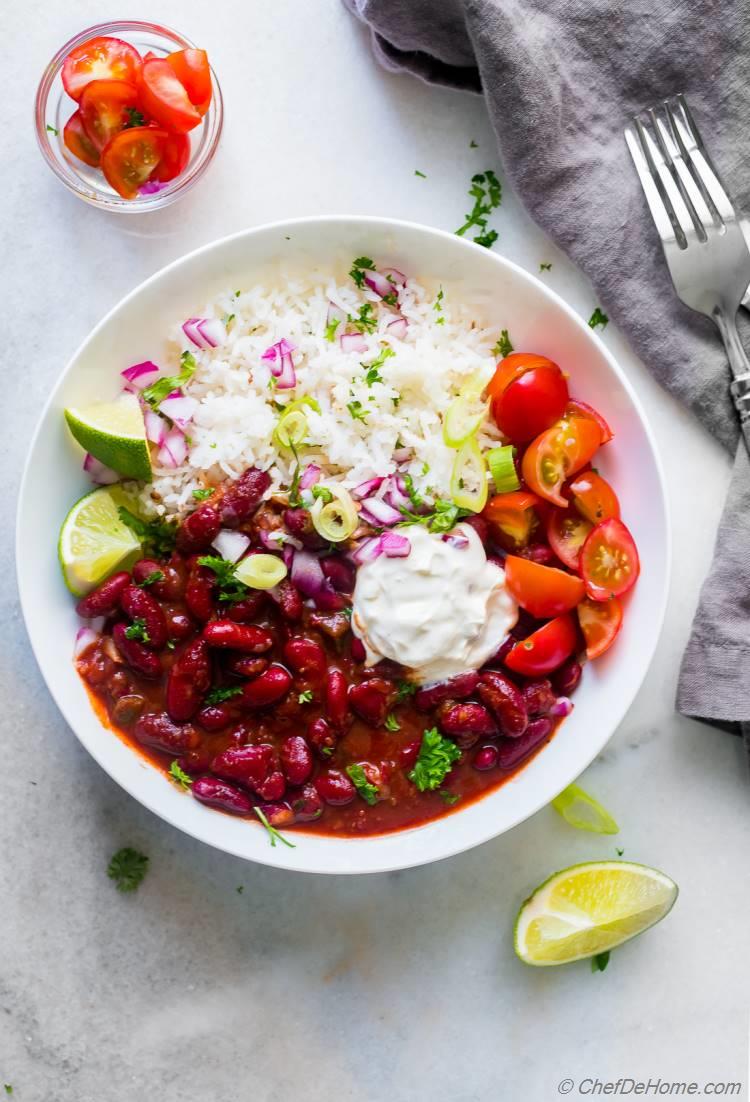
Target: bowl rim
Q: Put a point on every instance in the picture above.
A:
(270, 856)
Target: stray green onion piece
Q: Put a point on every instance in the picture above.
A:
(460, 421)
(503, 469)
(584, 812)
(335, 520)
(291, 429)
(469, 478)
(261, 571)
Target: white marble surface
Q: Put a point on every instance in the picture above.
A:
(397, 987)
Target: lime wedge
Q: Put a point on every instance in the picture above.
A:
(115, 434)
(589, 909)
(93, 539)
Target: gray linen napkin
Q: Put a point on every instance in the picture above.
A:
(561, 79)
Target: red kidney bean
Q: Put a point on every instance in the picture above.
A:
(243, 637)
(485, 758)
(172, 588)
(137, 604)
(357, 649)
(179, 624)
(335, 788)
(466, 722)
(455, 688)
(273, 684)
(480, 526)
(371, 700)
(272, 787)
(333, 624)
(195, 762)
(145, 568)
(538, 697)
(250, 765)
(407, 755)
(198, 530)
(298, 523)
(219, 794)
(103, 600)
(539, 553)
(127, 709)
(566, 679)
(513, 751)
(289, 600)
(248, 608)
(505, 702)
(244, 665)
(296, 759)
(199, 593)
(336, 690)
(215, 717)
(307, 806)
(156, 729)
(189, 680)
(328, 600)
(278, 815)
(322, 736)
(305, 657)
(136, 655)
(340, 573)
(243, 497)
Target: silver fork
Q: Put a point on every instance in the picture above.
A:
(705, 249)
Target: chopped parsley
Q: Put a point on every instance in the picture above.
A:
(391, 723)
(135, 118)
(443, 517)
(619, 851)
(405, 689)
(151, 579)
(366, 320)
(155, 535)
(361, 265)
(137, 630)
(487, 194)
(158, 391)
(55, 131)
(127, 868)
(273, 833)
(8, 1088)
(504, 346)
(438, 308)
(305, 697)
(179, 776)
(240, 889)
(202, 495)
(437, 756)
(449, 798)
(418, 173)
(600, 961)
(367, 791)
(425, 469)
(171, 644)
(321, 493)
(473, 144)
(357, 410)
(230, 587)
(228, 319)
(598, 318)
(545, 266)
(330, 330)
(219, 695)
(372, 370)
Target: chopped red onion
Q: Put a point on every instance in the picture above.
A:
(204, 332)
(85, 638)
(456, 540)
(231, 544)
(375, 511)
(178, 409)
(274, 541)
(139, 376)
(562, 707)
(173, 451)
(156, 426)
(397, 328)
(395, 546)
(367, 551)
(393, 275)
(152, 187)
(395, 494)
(364, 489)
(98, 473)
(307, 573)
(310, 476)
(379, 284)
(279, 356)
(288, 556)
(287, 377)
(352, 342)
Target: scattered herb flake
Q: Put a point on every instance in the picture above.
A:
(600, 961)
(437, 756)
(179, 776)
(487, 194)
(321, 493)
(127, 868)
(449, 798)
(135, 118)
(438, 307)
(55, 131)
(7, 1086)
(545, 266)
(391, 723)
(151, 579)
(202, 495)
(171, 644)
(598, 318)
(305, 697)
(230, 587)
(405, 689)
(273, 833)
(227, 320)
(219, 694)
(418, 173)
(330, 330)
(473, 144)
(619, 851)
(155, 535)
(361, 265)
(137, 630)
(425, 469)
(367, 791)
(372, 370)
(366, 320)
(504, 346)
(240, 889)
(357, 410)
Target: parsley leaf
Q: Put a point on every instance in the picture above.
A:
(367, 791)
(127, 868)
(391, 723)
(487, 194)
(55, 131)
(504, 346)
(545, 266)
(473, 144)
(322, 493)
(158, 391)
(7, 1086)
(442, 518)
(372, 370)
(150, 579)
(219, 695)
(179, 776)
(273, 833)
(305, 697)
(202, 495)
(228, 319)
(240, 889)
(405, 689)
(361, 265)
(230, 587)
(600, 961)
(598, 318)
(418, 173)
(438, 307)
(366, 320)
(157, 536)
(449, 798)
(619, 851)
(357, 410)
(135, 118)
(137, 630)
(330, 330)
(435, 761)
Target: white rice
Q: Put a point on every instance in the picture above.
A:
(445, 346)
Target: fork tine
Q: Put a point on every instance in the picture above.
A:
(679, 215)
(700, 212)
(694, 150)
(663, 216)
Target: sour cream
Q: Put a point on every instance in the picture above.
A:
(439, 611)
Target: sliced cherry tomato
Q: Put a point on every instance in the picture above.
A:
(581, 409)
(175, 157)
(567, 532)
(512, 367)
(78, 142)
(164, 98)
(593, 497)
(194, 73)
(609, 561)
(600, 622)
(557, 454)
(100, 59)
(512, 516)
(545, 649)
(542, 590)
(107, 107)
(131, 158)
(531, 403)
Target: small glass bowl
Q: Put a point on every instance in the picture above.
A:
(53, 108)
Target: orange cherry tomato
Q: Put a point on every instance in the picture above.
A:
(545, 649)
(194, 73)
(531, 403)
(600, 622)
(567, 532)
(107, 107)
(78, 142)
(131, 158)
(175, 156)
(581, 409)
(164, 97)
(100, 58)
(512, 517)
(557, 454)
(543, 591)
(609, 561)
(593, 497)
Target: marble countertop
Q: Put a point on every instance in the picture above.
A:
(220, 980)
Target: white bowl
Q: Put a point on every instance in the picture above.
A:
(539, 321)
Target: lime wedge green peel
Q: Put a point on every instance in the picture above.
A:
(589, 909)
(584, 812)
(115, 434)
(93, 539)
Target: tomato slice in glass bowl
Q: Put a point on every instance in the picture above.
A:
(194, 73)
(593, 497)
(609, 561)
(531, 403)
(100, 58)
(512, 517)
(107, 107)
(582, 409)
(544, 591)
(557, 454)
(78, 142)
(175, 156)
(132, 157)
(600, 622)
(567, 532)
(164, 97)
(545, 649)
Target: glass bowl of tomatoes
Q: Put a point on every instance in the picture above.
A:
(122, 127)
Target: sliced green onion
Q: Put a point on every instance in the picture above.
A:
(584, 812)
(261, 571)
(503, 469)
(291, 430)
(335, 520)
(469, 478)
(461, 421)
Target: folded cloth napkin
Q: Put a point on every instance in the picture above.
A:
(561, 79)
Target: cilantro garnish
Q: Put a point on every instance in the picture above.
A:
(55, 131)
(391, 723)
(361, 265)
(137, 630)
(473, 144)
(443, 516)
(127, 868)
(619, 851)
(437, 756)
(158, 391)
(240, 889)
(487, 194)
(230, 587)
(219, 695)
(357, 410)
(202, 495)
(598, 318)
(151, 579)
(366, 320)
(305, 697)
(273, 833)
(405, 689)
(438, 307)
(372, 370)
(449, 798)
(418, 173)
(135, 118)
(367, 791)
(321, 493)
(504, 346)
(330, 330)
(179, 776)
(157, 536)
(600, 961)
(545, 266)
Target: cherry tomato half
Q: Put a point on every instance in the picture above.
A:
(593, 497)
(581, 409)
(107, 107)
(600, 622)
(531, 403)
(131, 158)
(545, 649)
(543, 591)
(175, 156)
(609, 561)
(99, 59)
(164, 98)
(193, 72)
(512, 367)
(557, 454)
(567, 532)
(78, 142)
(512, 517)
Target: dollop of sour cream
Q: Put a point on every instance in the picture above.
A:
(439, 611)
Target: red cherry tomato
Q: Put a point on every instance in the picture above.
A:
(512, 367)
(131, 158)
(593, 497)
(78, 142)
(609, 561)
(545, 649)
(175, 157)
(99, 59)
(512, 517)
(164, 98)
(557, 454)
(107, 107)
(543, 591)
(600, 622)
(194, 73)
(581, 409)
(531, 403)
(567, 532)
